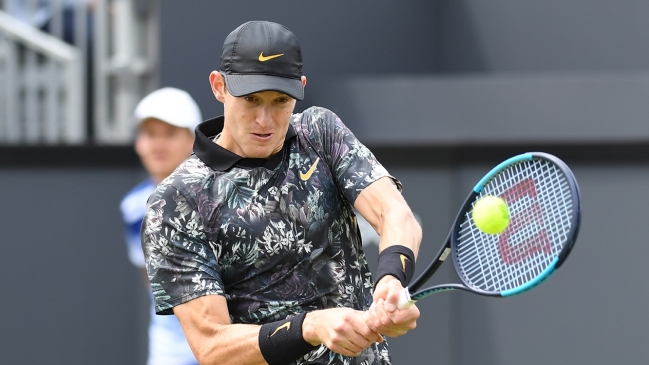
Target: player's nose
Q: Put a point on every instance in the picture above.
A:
(264, 117)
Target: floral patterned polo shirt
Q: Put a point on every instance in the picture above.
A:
(275, 236)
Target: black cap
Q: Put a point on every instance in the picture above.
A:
(260, 56)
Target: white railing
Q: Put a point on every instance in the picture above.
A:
(126, 54)
(42, 78)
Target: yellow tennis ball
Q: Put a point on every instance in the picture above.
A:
(491, 215)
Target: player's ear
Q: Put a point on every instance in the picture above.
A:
(217, 81)
(303, 81)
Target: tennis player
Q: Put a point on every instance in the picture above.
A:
(253, 243)
(165, 121)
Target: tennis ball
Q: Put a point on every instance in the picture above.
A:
(491, 215)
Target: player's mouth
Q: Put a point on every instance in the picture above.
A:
(263, 136)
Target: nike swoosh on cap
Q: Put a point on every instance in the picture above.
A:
(263, 58)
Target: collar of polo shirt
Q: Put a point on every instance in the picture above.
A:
(220, 159)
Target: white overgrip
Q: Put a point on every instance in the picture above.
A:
(404, 299)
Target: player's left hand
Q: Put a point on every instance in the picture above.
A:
(384, 316)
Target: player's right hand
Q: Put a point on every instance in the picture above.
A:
(342, 330)
(384, 316)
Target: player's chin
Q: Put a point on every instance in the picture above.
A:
(262, 150)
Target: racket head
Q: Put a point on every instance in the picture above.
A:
(544, 203)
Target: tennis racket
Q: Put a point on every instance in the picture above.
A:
(545, 212)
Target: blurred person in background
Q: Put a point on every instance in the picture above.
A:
(166, 120)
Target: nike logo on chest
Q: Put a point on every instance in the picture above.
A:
(308, 174)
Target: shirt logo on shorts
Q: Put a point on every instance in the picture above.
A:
(308, 174)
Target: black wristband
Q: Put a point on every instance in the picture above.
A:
(282, 342)
(398, 261)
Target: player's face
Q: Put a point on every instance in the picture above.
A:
(162, 147)
(256, 124)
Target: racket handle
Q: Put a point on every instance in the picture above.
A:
(404, 299)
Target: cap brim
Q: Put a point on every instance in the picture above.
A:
(240, 85)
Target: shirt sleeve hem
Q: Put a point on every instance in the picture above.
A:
(167, 307)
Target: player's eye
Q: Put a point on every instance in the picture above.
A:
(250, 98)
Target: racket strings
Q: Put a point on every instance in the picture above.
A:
(540, 202)
(533, 246)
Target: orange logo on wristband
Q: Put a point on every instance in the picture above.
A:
(286, 325)
(403, 261)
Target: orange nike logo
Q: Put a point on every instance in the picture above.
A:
(286, 325)
(308, 174)
(263, 58)
(403, 261)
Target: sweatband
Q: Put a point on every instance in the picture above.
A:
(398, 261)
(281, 342)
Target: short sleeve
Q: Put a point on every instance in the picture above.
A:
(353, 165)
(180, 263)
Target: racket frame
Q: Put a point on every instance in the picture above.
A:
(406, 299)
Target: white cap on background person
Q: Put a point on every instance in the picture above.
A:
(170, 105)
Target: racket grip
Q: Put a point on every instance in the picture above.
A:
(404, 299)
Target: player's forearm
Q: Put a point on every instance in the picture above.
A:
(383, 206)
(398, 226)
(235, 344)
